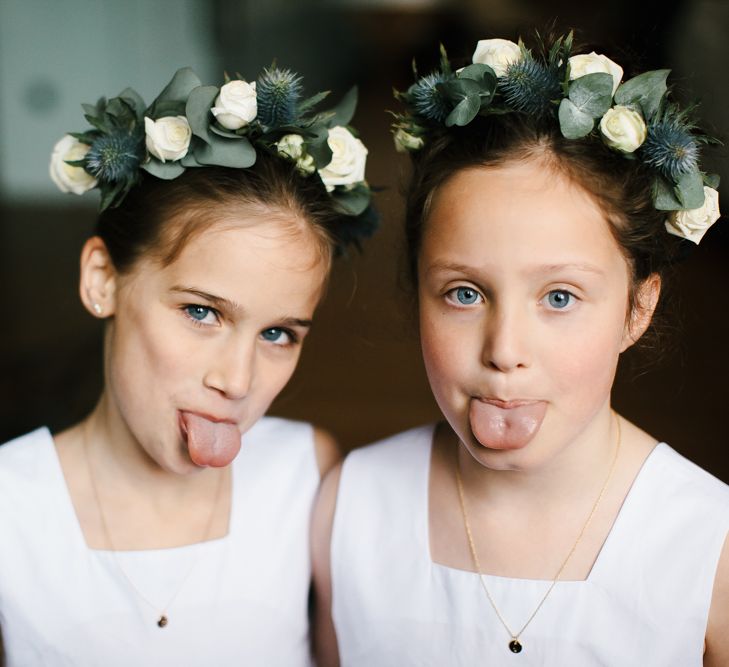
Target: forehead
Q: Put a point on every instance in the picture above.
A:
(266, 266)
(517, 214)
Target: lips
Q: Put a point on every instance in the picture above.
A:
(210, 442)
(506, 424)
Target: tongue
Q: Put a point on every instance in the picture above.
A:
(210, 443)
(506, 428)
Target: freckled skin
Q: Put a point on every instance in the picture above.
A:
(518, 234)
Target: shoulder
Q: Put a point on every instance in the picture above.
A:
(682, 478)
(22, 457)
(395, 450)
(717, 642)
(279, 429)
(295, 435)
(28, 482)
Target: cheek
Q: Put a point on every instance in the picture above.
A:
(148, 358)
(585, 368)
(445, 351)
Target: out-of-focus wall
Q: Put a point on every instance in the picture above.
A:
(54, 55)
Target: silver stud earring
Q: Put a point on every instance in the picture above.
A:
(97, 309)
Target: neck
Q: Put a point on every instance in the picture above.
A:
(119, 461)
(577, 468)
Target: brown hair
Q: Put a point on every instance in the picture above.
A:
(623, 188)
(159, 217)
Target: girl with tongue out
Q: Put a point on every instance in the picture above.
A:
(171, 525)
(533, 520)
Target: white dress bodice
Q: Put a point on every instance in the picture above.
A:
(244, 601)
(645, 602)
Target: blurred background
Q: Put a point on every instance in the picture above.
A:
(361, 375)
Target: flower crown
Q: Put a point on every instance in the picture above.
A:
(190, 125)
(579, 92)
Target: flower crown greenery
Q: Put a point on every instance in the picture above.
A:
(584, 94)
(190, 125)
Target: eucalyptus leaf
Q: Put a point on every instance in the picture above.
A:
(318, 147)
(457, 89)
(120, 110)
(223, 152)
(354, 201)
(465, 111)
(592, 94)
(712, 180)
(197, 110)
(165, 109)
(180, 87)
(165, 170)
(190, 161)
(344, 110)
(690, 190)
(175, 92)
(134, 100)
(573, 123)
(477, 72)
(645, 91)
(664, 197)
(222, 132)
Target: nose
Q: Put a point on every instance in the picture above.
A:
(506, 341)
(232, 368)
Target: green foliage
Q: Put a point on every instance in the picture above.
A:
(645, 91)
(171, 101)
(539, 85)
(222, 152)
(118, 154)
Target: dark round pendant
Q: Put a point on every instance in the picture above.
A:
(163, 621)
(515, 646)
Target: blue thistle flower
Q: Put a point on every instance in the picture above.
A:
(278, 92)
(115, 157)
(670, 148)
(427, 100)
(530, 87)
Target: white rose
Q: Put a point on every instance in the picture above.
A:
(497, 54)
(168, 138)
(405, 142)
(594, 63)
(694, 223)
(623, 128)
(292, 146)
(348, 159)
(65, 176)
(236, 104)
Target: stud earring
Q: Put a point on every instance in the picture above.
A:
(97, 309)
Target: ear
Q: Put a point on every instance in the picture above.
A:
(646, 300)
(97, 285)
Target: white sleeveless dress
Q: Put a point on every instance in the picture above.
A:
(243, 603)
(645, 602)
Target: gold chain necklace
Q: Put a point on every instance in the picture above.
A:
(515, 646)
(162, 615)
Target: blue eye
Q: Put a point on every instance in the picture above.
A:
(466, 295)
(559, 299)
(277, 336)
(201, 314)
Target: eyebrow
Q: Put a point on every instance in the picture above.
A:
(231, 306)
(544, 268)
